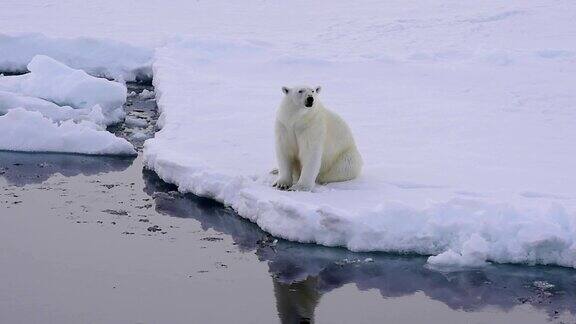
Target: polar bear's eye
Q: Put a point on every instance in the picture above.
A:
(300, 91)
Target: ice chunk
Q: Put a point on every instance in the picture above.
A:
(100, 57)
(29, 131)
(474, 253)
(135, 122)
(139, 136)
(53, 81)
(55, 108)
(9, 100)
(146, 94)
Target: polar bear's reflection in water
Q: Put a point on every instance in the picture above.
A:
(296, 302)
(302, 273)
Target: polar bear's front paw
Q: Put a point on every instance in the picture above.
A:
(283, 184)
(301, 187)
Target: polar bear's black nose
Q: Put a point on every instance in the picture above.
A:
(309, 102)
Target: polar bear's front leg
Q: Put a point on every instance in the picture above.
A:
(311, 159)
(285, 167)
(284, 158)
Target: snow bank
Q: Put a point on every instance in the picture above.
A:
(100, 57)
(53, 81)
(29, 131)
(465, 160)
(10, 100)
(55, 108)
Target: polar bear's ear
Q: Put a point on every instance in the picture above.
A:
(285, 90)
(318, 89)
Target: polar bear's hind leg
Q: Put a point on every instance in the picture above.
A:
(346, 167)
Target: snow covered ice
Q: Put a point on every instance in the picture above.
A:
(53, 81)
(446, 174)
(464, 116)
(145, 94)
(10, 100)
(55, 108)
(100, 57)
(29, 131)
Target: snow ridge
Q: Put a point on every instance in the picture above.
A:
(55, 108)
(99, 57)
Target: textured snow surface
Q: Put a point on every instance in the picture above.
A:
(29, 131)
(464, 114)
(10, 100)
(467, 132)
(453, 168)
(106, 58)
(55, 108)
(55, 82)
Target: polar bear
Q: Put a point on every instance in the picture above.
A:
(313, 144)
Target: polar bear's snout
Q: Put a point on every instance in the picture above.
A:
(309, 101)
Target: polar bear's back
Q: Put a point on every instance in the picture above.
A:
(338, 145)
(338, 134)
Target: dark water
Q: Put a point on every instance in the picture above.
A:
(140, 109)
(303, 273)
(115, 199)
(303, 276)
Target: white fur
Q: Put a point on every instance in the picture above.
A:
(313, 144)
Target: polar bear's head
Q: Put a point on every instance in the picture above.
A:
(302, 96)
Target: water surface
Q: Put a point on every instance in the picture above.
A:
(88, 239)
